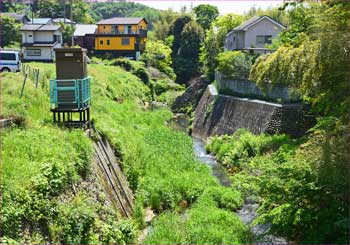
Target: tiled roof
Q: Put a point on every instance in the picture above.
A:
(120, 21)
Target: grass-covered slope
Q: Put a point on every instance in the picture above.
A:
(302, 185)
(158, 161)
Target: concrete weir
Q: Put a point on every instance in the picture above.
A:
(218, 114)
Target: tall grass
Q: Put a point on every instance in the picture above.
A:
(158, 161)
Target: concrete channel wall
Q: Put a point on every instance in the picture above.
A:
(246, 88)
(218, 114)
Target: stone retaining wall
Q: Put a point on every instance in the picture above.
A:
(218, 114)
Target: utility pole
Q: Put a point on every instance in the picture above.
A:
(71, 19)
(64, 10)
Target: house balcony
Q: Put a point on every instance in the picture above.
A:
(40, 43)
(140, 33)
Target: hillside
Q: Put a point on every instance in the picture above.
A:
(55, 185)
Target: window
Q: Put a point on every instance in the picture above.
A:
(33, 52)
(263, 39)
(101, 42)
(30, 35)
(7, 56)
(57, 38)
(108, 42)
(125, 41)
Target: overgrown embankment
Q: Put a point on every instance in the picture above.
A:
(300, 185)
(49, 188)
(158, 161)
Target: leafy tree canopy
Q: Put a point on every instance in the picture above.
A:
(157, 54)
(319, 67)
(206, 14)
(10, 30)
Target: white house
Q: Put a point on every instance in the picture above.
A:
(39, 41)
(254, 34)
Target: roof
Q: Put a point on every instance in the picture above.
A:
(83, 29)
(254, 20)
(18, 17)
(57, 20)
(121, 21)
(34, 27)
(41, 21)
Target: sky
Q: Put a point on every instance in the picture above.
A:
(224, 6)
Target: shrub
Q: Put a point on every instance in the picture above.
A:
(235, 65)
(135, 67)
(158, 55)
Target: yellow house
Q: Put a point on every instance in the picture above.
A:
(121, 36)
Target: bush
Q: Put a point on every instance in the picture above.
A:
(234, 151)
(302, 185)
(234, 65)
(135, 67)
(158, 55)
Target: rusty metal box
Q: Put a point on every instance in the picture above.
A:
(71, 63)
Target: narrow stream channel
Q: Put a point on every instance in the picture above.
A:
(248, 211)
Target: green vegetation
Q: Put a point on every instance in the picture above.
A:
(39, 204)
(235, 64)
(205, 15)
(10, 31)
(213, 43)
(123, 9)
(188, 36)
(40, 166)
(301, 185)
(161, 168)
(318, 67)
(209, 221)
(158, 55)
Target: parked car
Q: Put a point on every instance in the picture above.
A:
(10, 61)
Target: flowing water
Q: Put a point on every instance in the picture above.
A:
(248, 212)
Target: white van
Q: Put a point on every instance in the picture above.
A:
(9, 61)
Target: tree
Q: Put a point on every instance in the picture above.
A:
(158, 55)
(319, 66)
(67, 32)
(235, 65)
(299, 21)
(214, 41)
(224, 24)
(81, 12)
(186, 60)
(205, 15)
(163, 27)
(176, 30)
(50, 9)
(10, 31)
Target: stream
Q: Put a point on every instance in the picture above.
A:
(247, 213)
